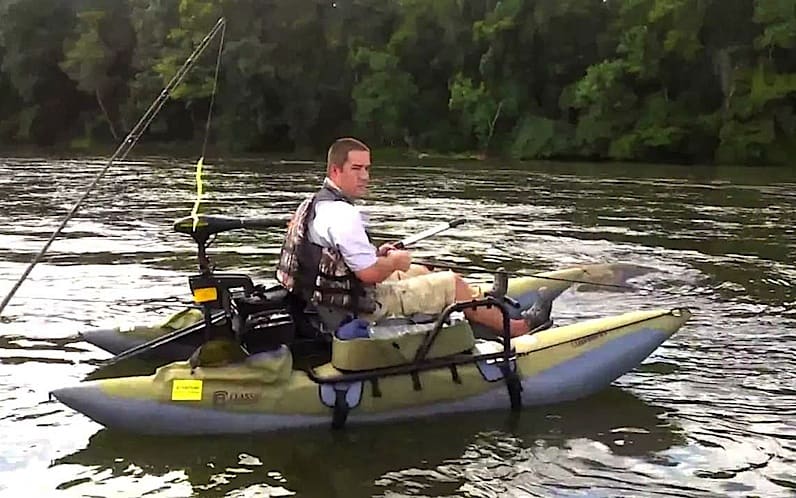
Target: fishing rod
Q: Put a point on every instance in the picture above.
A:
(123, 149)
(414, 239)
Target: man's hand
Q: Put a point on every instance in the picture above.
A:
(399, 259)
(385, 265)
(385, 249)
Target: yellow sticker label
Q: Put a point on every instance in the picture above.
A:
(186, 390)
(205, 295)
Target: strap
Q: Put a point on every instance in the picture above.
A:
(340, 411)
(514, 387)
(335, 278)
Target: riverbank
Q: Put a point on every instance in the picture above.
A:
(189, 150)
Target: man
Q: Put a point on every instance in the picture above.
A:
(328, 259)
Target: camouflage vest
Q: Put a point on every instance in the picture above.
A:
(319, 274)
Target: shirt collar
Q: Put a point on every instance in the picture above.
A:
(328, 183)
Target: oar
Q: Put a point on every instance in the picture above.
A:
(163, 340)
(473, 269)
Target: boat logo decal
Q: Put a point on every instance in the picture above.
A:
(353, 393)
(186, 390)
(585, 340)
(221, 398)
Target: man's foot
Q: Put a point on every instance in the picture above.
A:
(539, 312)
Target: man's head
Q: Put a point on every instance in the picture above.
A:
(348, 166)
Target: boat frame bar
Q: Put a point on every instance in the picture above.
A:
(503, 359)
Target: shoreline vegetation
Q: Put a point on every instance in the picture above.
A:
(189, 151)
(659, 81)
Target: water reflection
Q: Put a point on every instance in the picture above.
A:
(368, 460)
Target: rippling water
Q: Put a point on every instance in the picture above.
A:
(712, 412)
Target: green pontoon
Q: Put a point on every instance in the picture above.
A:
(402, 368)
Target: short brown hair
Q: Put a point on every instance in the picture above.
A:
(338, 152)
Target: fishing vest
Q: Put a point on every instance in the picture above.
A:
(319, 274)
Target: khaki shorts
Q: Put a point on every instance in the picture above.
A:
(415, 291)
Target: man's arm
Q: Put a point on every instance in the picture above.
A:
(385, 266)
(343, 228)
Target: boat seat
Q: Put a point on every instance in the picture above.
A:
(398, 344)
(332, 318)
(414, 319)
(271, 299)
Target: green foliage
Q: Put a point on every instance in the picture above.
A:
(382, 96)
(86, 59)
(745, 142)
(31, 38)
(534, 137)
(479, 110)
(768, 85)
(97, 58)
(779, 20)
(662, 80)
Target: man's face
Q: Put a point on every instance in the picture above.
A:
(354, 175)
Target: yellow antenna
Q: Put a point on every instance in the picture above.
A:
(200, 162)
(199, 192)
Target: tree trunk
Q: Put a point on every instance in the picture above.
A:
(107, 116)
(492, 126)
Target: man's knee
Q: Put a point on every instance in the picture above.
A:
(464, 292)
(417, 270)
(413, 271)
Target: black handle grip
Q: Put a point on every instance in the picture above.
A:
(256, 223)
(456, 222)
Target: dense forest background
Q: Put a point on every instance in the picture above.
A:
(653, 80)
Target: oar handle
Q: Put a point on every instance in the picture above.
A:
(456, 222)
(258, 223)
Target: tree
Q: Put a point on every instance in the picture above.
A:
(31, 37)
(97, 56)
(656, 80)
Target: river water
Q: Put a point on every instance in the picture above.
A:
(711, 412)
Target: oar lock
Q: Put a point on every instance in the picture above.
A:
(500, 288)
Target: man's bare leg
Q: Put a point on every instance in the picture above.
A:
(491, 317)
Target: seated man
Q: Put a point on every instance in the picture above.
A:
(328, 259)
